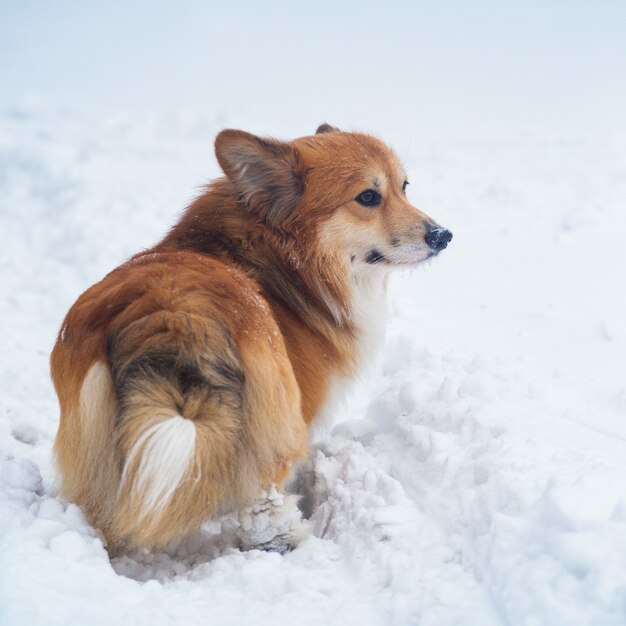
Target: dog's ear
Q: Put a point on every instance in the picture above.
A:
(326, 128)
(263, 171)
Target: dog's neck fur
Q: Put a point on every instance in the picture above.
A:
(315, 287)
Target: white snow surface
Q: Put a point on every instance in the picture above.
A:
(476, 475)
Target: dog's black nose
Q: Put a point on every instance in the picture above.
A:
(437, 238)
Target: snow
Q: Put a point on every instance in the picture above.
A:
(477, 472)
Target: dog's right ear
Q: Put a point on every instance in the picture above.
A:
(263, 171)
(326, 128)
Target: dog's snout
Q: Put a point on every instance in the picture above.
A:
(437, 237)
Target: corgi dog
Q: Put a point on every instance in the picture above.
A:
(188, 378)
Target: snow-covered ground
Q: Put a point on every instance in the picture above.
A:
(477, 475)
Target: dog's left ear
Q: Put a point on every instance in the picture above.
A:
(263, 171)
(326, 128)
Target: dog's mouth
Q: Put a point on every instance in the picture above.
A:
(376, 257)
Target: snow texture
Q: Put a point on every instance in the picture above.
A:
(477, 472)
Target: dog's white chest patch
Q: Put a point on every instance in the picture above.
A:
(369, 311)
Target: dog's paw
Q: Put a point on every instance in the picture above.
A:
(274, 524)
(279, 545)
(286, 542)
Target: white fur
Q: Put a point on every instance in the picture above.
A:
(369, 310)
(165, 450)
(96, 394)
(369, 315)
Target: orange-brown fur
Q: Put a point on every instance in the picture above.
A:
(239, 320)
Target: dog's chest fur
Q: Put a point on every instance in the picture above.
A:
(368, 314)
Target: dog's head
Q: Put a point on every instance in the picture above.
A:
(338, 192)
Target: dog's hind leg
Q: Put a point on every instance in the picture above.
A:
(273, 523)
(209, 415)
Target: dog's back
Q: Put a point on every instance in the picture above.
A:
(177, 398)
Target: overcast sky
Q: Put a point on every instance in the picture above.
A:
(440, 66)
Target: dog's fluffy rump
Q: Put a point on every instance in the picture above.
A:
(188, 377)
(205, 407)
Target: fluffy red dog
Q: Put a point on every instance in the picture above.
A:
(189, 376)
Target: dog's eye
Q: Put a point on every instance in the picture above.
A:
(368, 198)
(404, 184)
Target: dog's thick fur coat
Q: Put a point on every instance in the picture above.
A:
(188, 377)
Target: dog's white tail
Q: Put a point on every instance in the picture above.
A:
(159, 461)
